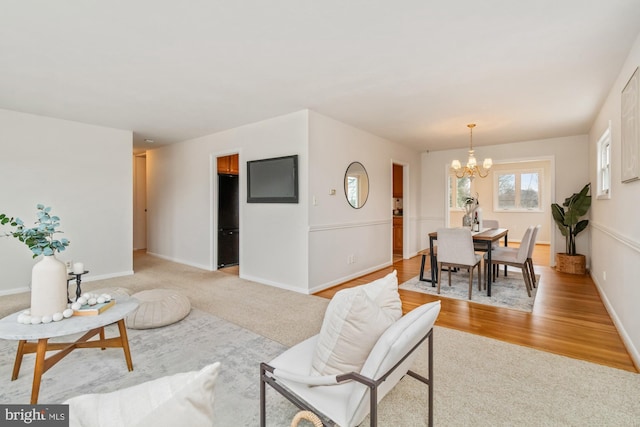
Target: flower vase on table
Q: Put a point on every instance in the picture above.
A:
(48, 287)
(49, 275)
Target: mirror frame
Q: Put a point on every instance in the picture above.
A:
(346, 189)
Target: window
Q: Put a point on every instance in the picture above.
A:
(353, 190)
(604, 165)
(459, 190)
(517, 190)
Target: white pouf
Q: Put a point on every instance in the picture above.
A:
(158, 307)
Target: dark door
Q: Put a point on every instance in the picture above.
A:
(228, 221)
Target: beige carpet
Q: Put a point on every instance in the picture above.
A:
(478, 381)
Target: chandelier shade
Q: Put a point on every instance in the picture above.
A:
(471, 169)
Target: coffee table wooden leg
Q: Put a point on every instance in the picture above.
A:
(18, 362)
(125, 343)
(102, 337)
(41, 351)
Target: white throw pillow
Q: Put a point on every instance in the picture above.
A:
(384, 292)
(352, 324)
(180, 399)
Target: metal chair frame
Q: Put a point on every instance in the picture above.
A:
(267, 377)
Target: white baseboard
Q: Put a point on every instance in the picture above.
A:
(316, 288)
(14, 291)
(90, 278)
(626, 339)
(352, 276)
(274, 284)
(85, 279)
(181, 261)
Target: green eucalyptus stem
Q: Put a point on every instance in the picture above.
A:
(39, 239)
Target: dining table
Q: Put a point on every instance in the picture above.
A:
(485, 239)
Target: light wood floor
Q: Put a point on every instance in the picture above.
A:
(568, 316)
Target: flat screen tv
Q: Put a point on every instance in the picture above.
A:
(273, 180)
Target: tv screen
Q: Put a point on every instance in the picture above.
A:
(273, 180)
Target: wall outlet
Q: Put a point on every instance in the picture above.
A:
(351, 259)
(604, 275)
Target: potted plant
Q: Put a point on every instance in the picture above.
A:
(567, 217)
(49, 275)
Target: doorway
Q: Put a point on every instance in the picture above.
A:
(228, 231)
(140, 201)
(398, 210)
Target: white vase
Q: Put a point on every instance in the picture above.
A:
(48, 287)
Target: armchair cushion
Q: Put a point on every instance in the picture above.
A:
(384, 292)
(180, 399)
(352, 324)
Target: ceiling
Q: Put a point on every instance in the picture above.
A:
(412, 71)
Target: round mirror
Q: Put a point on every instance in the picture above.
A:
(356, 185)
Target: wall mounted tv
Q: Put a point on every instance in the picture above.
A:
(273, 180)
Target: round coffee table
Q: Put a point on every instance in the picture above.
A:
(10, 329)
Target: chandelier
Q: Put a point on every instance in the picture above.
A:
(472, 169)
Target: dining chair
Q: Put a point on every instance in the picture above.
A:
(515, 257)
(480, 246)
(455, 250)
(490, 223)
(532, 245)
(487, 223)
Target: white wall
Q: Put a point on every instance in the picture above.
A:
(182, 193)
(571, 158)
(301, 247)
(615, 223)
(84, 173)
(336, 229)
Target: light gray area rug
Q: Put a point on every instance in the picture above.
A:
(478, 381)
(189, 345)
(507, 292)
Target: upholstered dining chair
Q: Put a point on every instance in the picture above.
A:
(479, 246)
(515, 257)
(487, 223)
(455, 250)
(490, 223)
(532, 245)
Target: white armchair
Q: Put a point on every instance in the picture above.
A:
(342, 399)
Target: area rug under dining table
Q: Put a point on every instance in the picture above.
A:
(507, 292)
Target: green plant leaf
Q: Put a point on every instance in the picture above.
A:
(580, 226)
(558, 216)
(39, 239)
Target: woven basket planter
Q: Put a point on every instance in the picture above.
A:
(573, 264)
